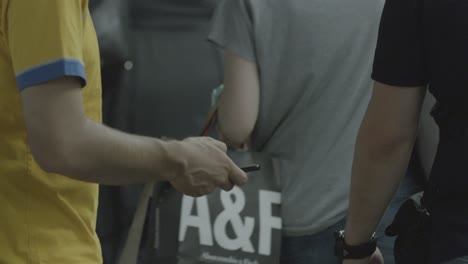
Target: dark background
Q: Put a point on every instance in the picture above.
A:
(158, 73)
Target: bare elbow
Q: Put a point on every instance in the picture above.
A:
(47, 157)
(235, 135)
(48, 165)
(394, 144)
(235, 126)
(234, 140)
(388, 142)
(50, 154)
(57, 150)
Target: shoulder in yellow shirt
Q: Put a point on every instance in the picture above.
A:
(45, 218)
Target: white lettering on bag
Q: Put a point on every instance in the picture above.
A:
(200, 221)
(233, 203)
(267, 221)
(243, 227)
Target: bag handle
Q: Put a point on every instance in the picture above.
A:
(132, 244)
(211, 121)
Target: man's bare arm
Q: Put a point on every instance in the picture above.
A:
(383, 150)
(63, 140)
(238, 105)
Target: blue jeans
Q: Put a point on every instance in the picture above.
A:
(409, 186)
(312, 249)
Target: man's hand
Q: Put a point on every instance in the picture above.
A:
(376, 258)
(205, 167)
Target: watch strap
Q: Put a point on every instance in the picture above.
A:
(344, 251)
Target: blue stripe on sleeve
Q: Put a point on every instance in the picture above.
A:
(51, 71)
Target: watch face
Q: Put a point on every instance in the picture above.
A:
(339, 235)
(340, 252)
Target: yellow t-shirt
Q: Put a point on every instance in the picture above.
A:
(44, 218)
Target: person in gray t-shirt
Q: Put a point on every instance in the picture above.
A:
(297, 84)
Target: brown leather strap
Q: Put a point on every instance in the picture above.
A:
(132, 244)
(211, 121)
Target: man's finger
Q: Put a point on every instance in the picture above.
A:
(226, 186)
(236, 175)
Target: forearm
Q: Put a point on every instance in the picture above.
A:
(377, 172)
(100, 154)
(63, 140)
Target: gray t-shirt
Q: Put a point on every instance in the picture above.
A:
(314, 59)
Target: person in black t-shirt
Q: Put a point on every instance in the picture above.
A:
(423, 45)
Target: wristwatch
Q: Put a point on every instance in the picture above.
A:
(344, 251)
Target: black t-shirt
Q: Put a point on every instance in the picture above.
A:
(425, 42)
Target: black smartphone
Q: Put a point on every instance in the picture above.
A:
(250, 168)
